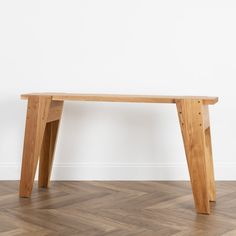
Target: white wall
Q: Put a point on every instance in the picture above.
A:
(126, 46)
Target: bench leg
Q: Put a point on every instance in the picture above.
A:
(194, 122)
(48, 149)
(36, 119)
(209, 158)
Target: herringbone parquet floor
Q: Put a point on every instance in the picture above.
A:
(115, 208)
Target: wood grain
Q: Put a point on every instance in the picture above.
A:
(42, 122)
(36, 119)
(44, 115)
(119, 98)
(191, 117)
(209, 156)
(115, 208)
(49, 143)
(55, 111)
(47, 153)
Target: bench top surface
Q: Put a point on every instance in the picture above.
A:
(120, 98)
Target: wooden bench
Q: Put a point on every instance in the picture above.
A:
(44, 115)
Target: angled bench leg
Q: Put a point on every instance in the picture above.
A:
(209, 158)
(36, 119)
(49, 144)
(194, 122)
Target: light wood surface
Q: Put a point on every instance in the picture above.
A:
(209, 157)
(115, 208)
(120, 98)
(42, 124)
(36, 119)
(191, 117)
(48, 145)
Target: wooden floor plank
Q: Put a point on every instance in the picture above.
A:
(117, 208)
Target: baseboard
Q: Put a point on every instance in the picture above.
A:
(119, 171)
